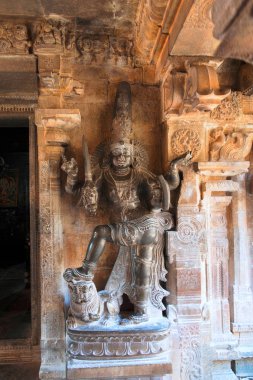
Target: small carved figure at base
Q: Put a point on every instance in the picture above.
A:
(85, 304)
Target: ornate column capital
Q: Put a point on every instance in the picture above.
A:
(190, 86)
(56, 124)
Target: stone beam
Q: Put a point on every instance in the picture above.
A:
(159, 22)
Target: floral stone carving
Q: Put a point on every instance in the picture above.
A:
(184, 140)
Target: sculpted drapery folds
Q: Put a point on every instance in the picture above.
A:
(137, 202)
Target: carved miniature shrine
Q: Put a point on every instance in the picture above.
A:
(138, 119)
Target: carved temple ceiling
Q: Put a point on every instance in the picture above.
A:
(113, 14)
(144, 37)
(155, 28)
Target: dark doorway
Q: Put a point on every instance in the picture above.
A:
(15, 297)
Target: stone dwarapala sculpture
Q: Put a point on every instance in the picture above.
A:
(137, 202)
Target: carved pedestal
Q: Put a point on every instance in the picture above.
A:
(143, 348)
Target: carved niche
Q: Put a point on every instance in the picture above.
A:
(14, 39)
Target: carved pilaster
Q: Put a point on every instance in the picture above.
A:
(53, 126)
(185, 248)
(223, 258)
(218, 271)
(243, 298)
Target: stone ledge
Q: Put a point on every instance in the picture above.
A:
(222, 169)
(77, 369)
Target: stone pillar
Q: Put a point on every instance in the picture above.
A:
(52, 138)
(223, 343)
(243, 299)
(185, 247)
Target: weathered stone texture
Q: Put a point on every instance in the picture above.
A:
(66, 59)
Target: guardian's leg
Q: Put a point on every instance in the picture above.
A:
(143, 266)
(100, 236)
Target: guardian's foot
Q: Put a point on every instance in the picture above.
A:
(135, 318)
(76, 274)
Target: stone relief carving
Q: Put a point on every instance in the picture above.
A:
(190, 234)
(93, 49)
(50, 35)
(14, 39)
(229, 109)
(184, 140)
(138, 213)
(195, 88)
(98, 49)
(85, 303)
(189, 279)
(189, 230)
(228, 144)
(46, 246)
(190, 352)
(121, 51)
(128, 346)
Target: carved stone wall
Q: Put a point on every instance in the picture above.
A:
(217, 130)
(79, 59)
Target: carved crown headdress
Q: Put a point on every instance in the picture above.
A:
(121, 132)
(122, 115)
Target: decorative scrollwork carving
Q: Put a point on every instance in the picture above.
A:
(14, 39)
(226, 144)
(125, 344)
(188, 230)
(190, 352)
(184, 140)
(229, 109)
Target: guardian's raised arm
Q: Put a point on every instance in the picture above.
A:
(172, 176)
